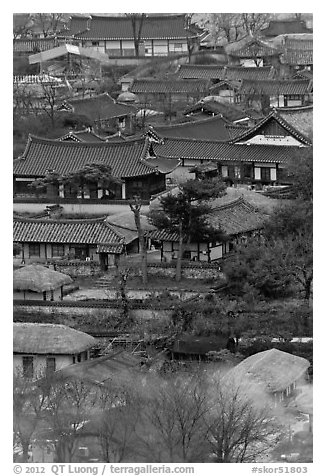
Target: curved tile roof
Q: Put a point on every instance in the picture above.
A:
(89, 231)
(165, 86)
(213, 150)
(120, 28)
(126, 158)
(211, 128)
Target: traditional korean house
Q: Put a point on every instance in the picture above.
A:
(167, 91)
(189, 347)
(300, 118)
(273, 130)
(254, 164)
(211, 107)
(40, 348)
(276, 372)
(47, 239)
(297, 55)
(39, 282)
(236, 219)
(86, 135)
(211, 72)
(284, 27)
(275, 93)
(210, 128)
(252, 51)
(104, 112)
(161, 35)
(127, 160)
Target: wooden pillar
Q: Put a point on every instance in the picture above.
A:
(123, 191)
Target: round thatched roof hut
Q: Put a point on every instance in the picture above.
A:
(38, 278)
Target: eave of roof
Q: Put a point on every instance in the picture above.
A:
(90, 231)
(273, 115)
(126, 158)
(222, 151)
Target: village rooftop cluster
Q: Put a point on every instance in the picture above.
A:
(162, 237)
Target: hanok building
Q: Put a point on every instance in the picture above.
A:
(40, 348)
(261, 161)
(251, 51)
(210, 107)
(278, 373)
(274, 93)
(104, 112)
(36, 282)
(161, 35)
(216, 73)
(127, 160)
(297, 55)
(166, 91)
(236, 219)
(284, 27)
(49, 239)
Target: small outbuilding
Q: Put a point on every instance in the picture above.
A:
(276, 371)
(39, 282)
(48, 347)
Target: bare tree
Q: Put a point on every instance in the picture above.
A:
(254, 22)
(135, 206)
(49, 23)
(239, 429)
(69, 407)
(137, 22)
(173, 416)
(28, 405)
(21, 25)
(116, 422)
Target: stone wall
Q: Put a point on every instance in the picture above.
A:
(189, 271)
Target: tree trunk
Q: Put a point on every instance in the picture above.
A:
(307, 289)
(25, 446)
(142, 244)
(179, 258)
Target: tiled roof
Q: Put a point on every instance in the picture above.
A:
(198, 71)
(211, 128)
(117, 28)
(166, 86)
(251, 47)
(222, 151)
(275, 117)
(35, 338)
(283, 27)
(90, 231)
(244, 73)
(100, 107)
(301, 118)
(297, 57)
(276, 87)
(236, 130)
(233, 218)
(210, 72)
(304, 44)
(231, 112)
(303, 74)
(81, 136)
(236, 217)
(125, 158)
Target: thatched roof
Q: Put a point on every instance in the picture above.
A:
(35, 338)
(273, 368)
(39, 278)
